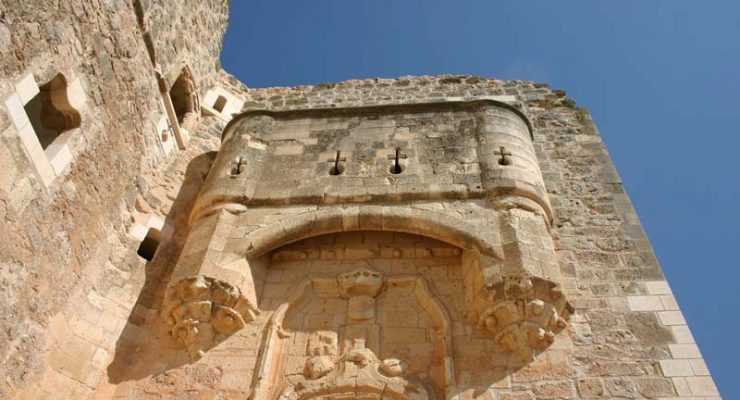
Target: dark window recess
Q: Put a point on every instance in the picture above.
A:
(504, 160)
(220, 104)
(238, 166)
(337, 168)
(149, 245)
(396, 168)
(182, 94)
(50, 112)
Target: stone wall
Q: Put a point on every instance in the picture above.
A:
(69, 267)
(629, 338)
(82, 313)
(626, 339)
(187, 33)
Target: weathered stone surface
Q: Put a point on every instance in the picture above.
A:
(590, 388)
(448, 237)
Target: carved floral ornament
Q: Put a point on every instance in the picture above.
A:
(525, 314)
(199, 309)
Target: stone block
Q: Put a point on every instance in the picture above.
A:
(669, 302)
(59, 155)
(554, 390)
(289, 150)
(621, 387)
(76, 94)
(655, 387)
(658, 287)
(138, 231)
(672, 368)
(682, 334)
(516, 395)
(590, 388)
(644, 303)
(702, 386)
(700, 367)
(681, 386)
(27, 88)
(18, 115)
(72, 358)
(36, 154)
(669, 318)
(684, 351)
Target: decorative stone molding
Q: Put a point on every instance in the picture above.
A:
(525, 315)
(360, 282)
(200, 309)
(341, 361)
(356, 372)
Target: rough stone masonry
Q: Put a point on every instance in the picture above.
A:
(169, 232)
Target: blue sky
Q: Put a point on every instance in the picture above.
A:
(661, 79)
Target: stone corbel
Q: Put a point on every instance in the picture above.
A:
(202, 311)
(524, 314)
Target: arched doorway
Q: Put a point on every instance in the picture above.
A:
(360, 315)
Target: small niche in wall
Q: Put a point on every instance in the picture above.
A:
(47, 118)
(220, 104)
(50, 112)
(184, 97)
(396, 157)
(148, 247)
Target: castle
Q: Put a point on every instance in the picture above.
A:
(169, 232)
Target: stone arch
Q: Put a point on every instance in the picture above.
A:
(184, 96)
(417, 221)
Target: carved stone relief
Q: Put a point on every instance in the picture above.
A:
(201, 309)
(343, 362)
(525, 315)
(357, 373)
(185, 99)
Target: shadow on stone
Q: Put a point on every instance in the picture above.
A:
(146, 346)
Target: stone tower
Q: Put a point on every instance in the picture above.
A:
(170, 233)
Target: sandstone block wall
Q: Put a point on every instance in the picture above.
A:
(68, 258)
(626, 339)
(368, 282)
